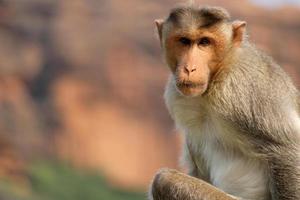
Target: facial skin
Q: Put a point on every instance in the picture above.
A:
(192, 65)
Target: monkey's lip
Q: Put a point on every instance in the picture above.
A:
(190, 84)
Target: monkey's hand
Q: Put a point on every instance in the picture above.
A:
(169, 184)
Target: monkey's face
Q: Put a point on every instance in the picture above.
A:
(189, 60)
(193, 59)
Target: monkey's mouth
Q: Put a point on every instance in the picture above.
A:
(189, 88)
(189, 84)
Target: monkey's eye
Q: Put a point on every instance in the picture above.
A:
(205, 41)
(185, 41)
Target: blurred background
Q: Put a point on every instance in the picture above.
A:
(81, 83)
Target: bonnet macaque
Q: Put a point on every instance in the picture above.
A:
(237, 108)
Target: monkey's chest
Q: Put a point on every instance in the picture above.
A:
(228, 169)
(219, 150)
(237, 175)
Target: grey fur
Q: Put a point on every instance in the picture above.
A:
(253, 95)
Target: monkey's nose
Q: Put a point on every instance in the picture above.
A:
(189, 69)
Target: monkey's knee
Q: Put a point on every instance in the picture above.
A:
(162, 184)
(156, 190)
(170, 184)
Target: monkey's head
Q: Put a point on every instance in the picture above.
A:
(195, 41)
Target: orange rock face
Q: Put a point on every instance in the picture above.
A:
(105, 135)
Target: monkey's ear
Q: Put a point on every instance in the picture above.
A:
(159, 25)
(239, 29)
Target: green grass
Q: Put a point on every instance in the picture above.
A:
(52, 181)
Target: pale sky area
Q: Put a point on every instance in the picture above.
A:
(276, 3)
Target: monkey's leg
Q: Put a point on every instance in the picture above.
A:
(170, 184)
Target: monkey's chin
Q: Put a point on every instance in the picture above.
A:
(191, 91)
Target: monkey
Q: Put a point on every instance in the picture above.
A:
(237, 108)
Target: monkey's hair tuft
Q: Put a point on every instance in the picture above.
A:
(215, 13)
(209, 15)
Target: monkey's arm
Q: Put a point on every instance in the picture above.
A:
(196, 166)
(170, 184)
(285, 175)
